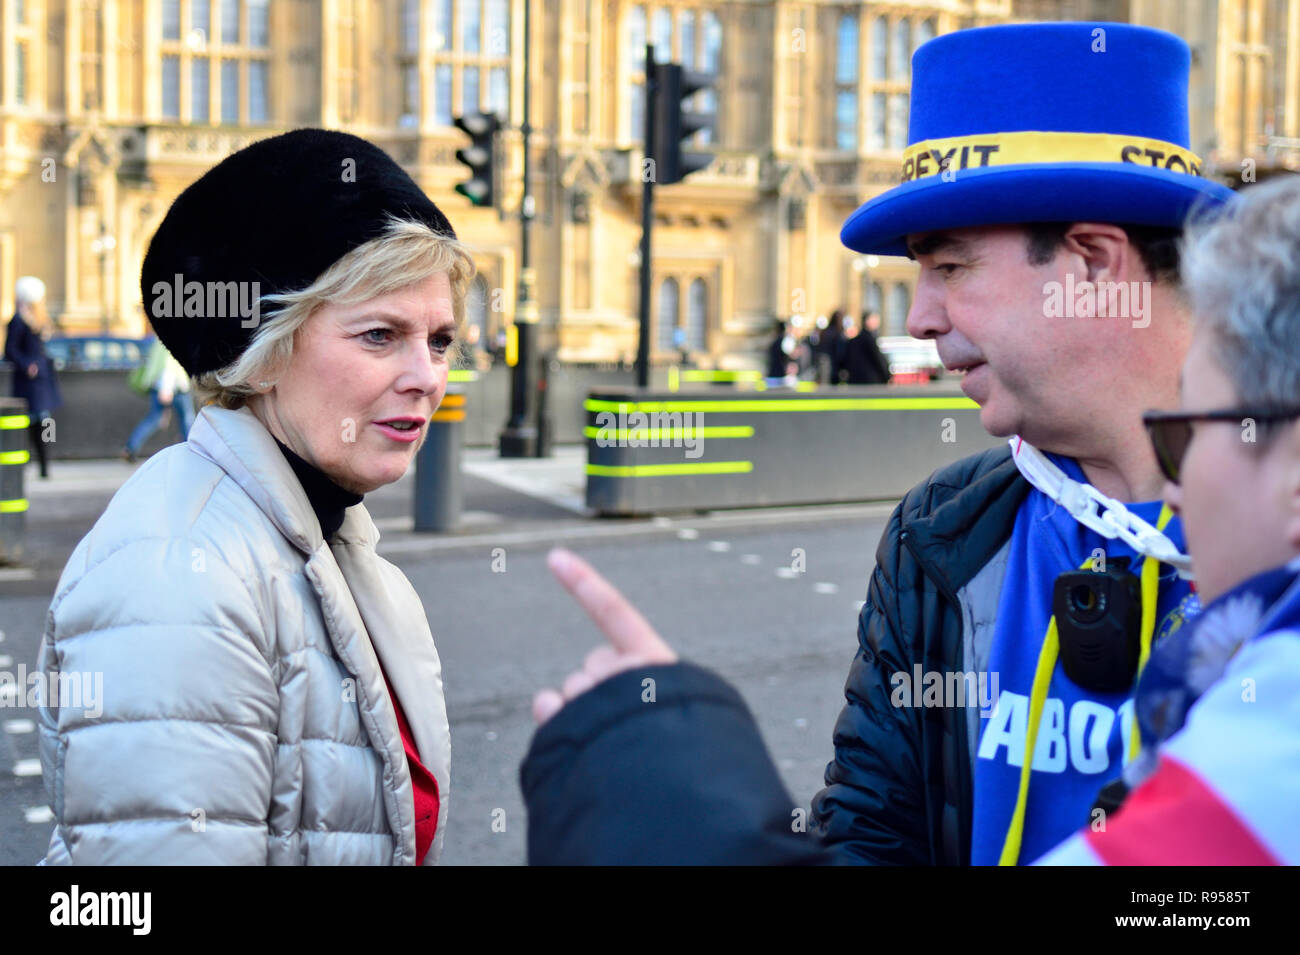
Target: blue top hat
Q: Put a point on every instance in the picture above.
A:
(1042, 122)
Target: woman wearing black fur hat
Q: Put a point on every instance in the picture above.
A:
(271, 693)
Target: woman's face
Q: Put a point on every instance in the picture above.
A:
(1239, 503)
(355, 367)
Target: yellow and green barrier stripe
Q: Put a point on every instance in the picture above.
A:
(670, 470)
(773, 405)
(12, 422)
(650, 434)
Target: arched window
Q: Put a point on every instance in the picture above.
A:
(712, 62)
(636, 24)
(899, 303)
(846, 50)
(902, 52)
(924, 32)
(636, 38)
(697, 316)
(668, 295)
(846, 83)
(879, 48)
(663, 35)
(686, 38)
(898, 122)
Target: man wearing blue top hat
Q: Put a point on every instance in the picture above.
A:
(1043, 192)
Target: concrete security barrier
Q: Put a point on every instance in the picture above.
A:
(13, 459)
(652, 451)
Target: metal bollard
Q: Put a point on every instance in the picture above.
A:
(437, 468)
(13, 457)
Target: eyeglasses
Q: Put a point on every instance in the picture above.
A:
(1171, 431)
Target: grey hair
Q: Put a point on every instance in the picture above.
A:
(1241, 275)
(29, 290)
(406, 253)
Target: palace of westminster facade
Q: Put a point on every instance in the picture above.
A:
(109, 108)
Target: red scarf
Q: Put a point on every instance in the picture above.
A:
(422, 781)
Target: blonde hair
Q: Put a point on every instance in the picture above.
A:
(406, 253)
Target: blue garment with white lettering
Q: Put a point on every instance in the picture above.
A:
(1083, 736)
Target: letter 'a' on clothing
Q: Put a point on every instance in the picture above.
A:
(1042, 122)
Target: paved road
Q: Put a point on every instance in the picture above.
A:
(768, 598)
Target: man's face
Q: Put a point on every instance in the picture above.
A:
(985, 306)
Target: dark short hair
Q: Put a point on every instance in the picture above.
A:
(1157, 246)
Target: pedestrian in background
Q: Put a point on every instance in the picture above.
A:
(272, 692)
(778, 354)
(34, 377)
(168, 387)
(864, 363)
(830, 357)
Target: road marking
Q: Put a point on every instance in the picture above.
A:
(434, 543)
(8, 694)
(19, 726)
(27, 767)
(719, 547)
(787, 573)
(687, 534)
(822, 587)
(6, 661)
(39, 814)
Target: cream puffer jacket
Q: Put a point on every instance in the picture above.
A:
(244, 715)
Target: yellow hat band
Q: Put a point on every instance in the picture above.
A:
(933, 157)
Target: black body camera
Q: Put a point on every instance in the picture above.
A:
(1099, 624)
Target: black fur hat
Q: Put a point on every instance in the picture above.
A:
(277, 213)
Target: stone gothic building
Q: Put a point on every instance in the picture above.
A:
(109, 108)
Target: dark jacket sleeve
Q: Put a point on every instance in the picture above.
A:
(878, 360)
(873, 807)
(668, 772)
(18, 347)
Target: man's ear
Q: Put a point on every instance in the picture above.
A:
(1104, 248)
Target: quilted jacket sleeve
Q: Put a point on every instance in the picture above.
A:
(158, 723)
(872, 810)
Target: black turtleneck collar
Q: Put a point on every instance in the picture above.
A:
(328, 500)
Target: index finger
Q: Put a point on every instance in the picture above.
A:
(620, 622)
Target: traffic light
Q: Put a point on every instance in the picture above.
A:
(479, 156)
(675, 121)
